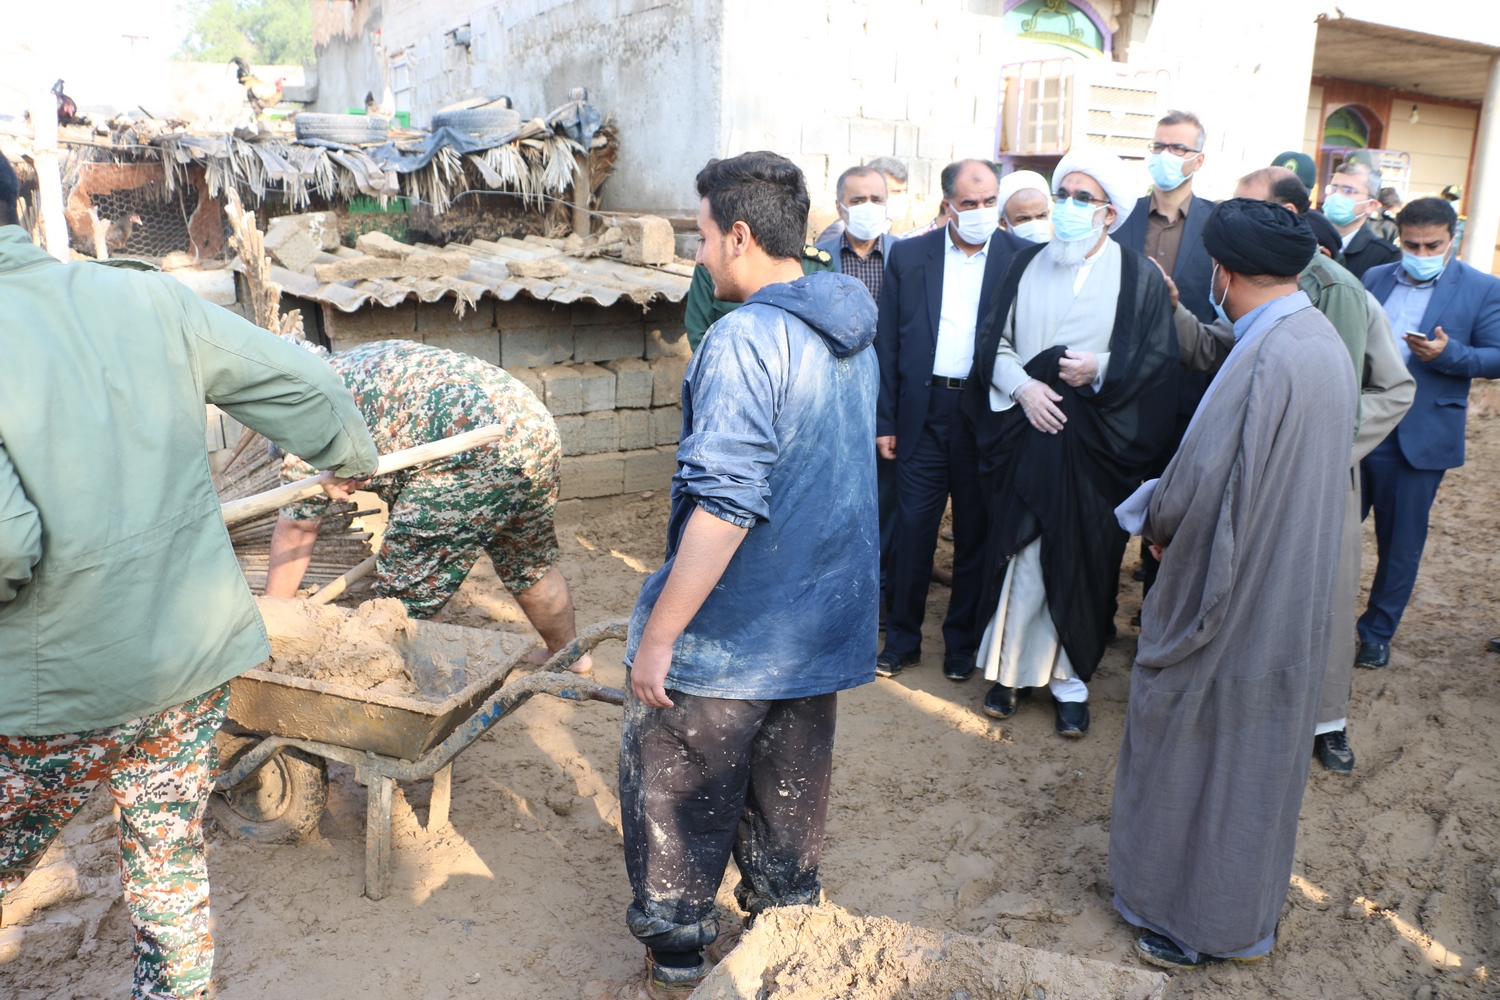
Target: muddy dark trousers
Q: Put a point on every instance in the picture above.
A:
(715, 776)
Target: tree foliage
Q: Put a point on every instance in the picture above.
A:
(261, 31)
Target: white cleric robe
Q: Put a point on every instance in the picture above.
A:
(1055, 304)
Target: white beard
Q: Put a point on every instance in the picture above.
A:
(1071, 253)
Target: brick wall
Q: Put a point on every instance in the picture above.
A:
(611, 376)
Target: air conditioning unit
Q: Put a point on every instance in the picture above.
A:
(1050, 105)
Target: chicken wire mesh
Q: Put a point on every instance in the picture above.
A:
(140, 223)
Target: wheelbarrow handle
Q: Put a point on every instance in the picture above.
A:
(616, 628)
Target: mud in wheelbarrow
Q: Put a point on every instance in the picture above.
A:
(283, 730)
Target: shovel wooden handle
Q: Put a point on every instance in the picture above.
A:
(249, 507)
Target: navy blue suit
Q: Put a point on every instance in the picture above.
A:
(936, 455)
(1400, 477)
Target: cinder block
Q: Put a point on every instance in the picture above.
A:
(666, 380)
(482, 344)
(533, 347)
(975, 140)
(570, 433)
(528, 378)
(882, 99)
(598, 387)
(601, 432)
(344, 330)
(523, 313)
(439, 317)
(666, 424)
(635, 430)
(632, 382)
(906, 140)
(825, 135)
(592, 314)
(814, 167)
(935, 142)
(562, 389)
(649, 469)
(605, 343)
(668, 342)
(648, 240)
(592, 476)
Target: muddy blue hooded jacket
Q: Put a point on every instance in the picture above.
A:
(778, 436)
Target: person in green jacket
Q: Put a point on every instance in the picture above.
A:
(123, 612)
(702, 310)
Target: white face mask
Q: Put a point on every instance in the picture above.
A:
(1036, 230)
(897, 207)
(867, 220)
(976, 225)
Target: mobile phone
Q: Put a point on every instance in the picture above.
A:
(1424, 336)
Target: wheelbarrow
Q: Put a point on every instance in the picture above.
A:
(273, 778)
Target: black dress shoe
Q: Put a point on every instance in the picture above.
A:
(1161, 952)
(1333, 751)
(1495, 644)
(889, 665)
(958, 667)
(1072, 719)
(1001, 702)
(1373, 655)
(1138, 575)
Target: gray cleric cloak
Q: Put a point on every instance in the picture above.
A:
(1234, 640)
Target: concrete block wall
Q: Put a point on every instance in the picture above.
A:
(611, 376)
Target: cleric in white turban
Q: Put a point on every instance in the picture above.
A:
(1073, 393)
(1026, 205)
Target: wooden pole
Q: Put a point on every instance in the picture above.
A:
(583, 190)
(49, 175)
(338, 587)
(253, 506)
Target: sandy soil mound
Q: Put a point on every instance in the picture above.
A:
(357, 647)
(827, 953)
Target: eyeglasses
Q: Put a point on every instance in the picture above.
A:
(1347, 189)
(1082, 198)
(1175, 148)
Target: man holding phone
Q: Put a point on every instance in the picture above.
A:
(1446, 315)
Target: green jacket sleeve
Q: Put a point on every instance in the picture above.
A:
(20, 532)
(279, 389)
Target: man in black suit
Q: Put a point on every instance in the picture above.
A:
(937, 289)
(1167, 225)
(1352, 195)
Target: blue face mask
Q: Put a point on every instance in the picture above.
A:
(1340, 209)
(1218, 304)
(1166, 171)
(1072, 221)
(1423, 268)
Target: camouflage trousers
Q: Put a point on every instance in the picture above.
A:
(440, 522)
(160, 770)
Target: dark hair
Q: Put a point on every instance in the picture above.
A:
(1175, 117)
(891, 167)
(1389, 197)
(948, 179)
(10, 191)
(838, 188)
(1428, 212)
(1355, 168)
(1288, 189)
(764, 191)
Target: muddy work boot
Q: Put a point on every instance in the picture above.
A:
(672, 975)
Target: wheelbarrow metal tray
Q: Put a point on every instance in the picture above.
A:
(359, 719)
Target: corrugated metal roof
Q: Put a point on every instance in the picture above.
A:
(600, 280)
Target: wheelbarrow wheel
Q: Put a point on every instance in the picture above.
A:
(281, 803)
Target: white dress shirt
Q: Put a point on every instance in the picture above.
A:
(963, 279)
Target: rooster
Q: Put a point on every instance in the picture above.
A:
(258, 92)
(119, 232)
(67, 108)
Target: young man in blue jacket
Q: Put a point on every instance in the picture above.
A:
(767, 604)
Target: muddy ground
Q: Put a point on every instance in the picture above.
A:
(939, 817)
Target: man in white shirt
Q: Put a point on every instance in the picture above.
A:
(936, 292)
(1075, 394)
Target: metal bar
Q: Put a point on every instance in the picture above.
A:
(590, 637)
(378, 836)
(442, 797)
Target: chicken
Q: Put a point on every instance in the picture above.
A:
(372, 106)
(67, 108)
(258, 92)
(118, 233)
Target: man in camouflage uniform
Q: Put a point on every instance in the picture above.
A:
(123, 614)
(499, 499)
